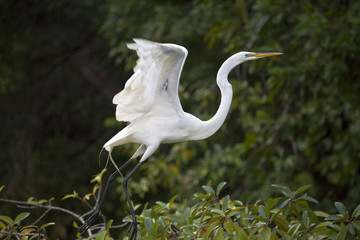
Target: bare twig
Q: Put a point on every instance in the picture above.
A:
(44, 206)
(48, 207)
(41, 217)
(19, 235)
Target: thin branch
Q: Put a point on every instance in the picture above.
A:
(49, 207)
(18, 235)
(41, 217)
(45, 206)
(119, 226)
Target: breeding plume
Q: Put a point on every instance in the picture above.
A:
(151, 105)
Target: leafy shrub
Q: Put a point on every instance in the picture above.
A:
(285, 217)
(289, 215)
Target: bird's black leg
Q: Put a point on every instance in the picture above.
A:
(93, 217)
(134, 223)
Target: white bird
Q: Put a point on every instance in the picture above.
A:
(150, 102)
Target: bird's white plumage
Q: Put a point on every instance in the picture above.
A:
(151, 104)
(155, 79)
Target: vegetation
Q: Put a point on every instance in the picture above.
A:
(207, 216)
(294, 121)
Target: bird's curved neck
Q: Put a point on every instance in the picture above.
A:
(210, 126)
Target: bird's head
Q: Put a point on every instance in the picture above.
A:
(247, 56)
(239, 58)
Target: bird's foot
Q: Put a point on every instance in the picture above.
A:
(87, 224)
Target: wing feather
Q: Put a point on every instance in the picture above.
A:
(155, 80)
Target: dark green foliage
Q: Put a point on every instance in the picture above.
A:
(289, 215)
(294, 121)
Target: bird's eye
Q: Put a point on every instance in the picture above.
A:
(249, 55)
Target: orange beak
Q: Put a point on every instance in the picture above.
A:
(262, 55)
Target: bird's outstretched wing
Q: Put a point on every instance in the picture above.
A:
(155, 80)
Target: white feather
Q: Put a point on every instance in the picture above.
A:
(155, 78)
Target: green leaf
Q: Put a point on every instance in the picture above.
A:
(28, 230)
(293, 229)
(302, 189)
(208, 189)
(351, 228)
(173, 218)
(68, 196)
(127, 219)
(285, 190)
(236, 227)
(323, 224)
(1, 188)
(342, 234)
(172, 200)
(160, 203)
(305, 219)
(233, 212)
(186, 215)
(75, 225)
(188, 226)
(35, 236)
(28, 226)
(148, 226)
(309, 199)
(219, 188)
(286, 202)
(189, 232)
(281, 222)
(283, 233)
(47, 225)
(270, 203)
(357, 225)
(210, 229)
(87, 196)
(21, 217)
(219, 234)
(228, 227)
(42, 201)
(254, 231)
(321, 214)
(6, 219)
(108, 224)
(241, 234)
(73, 195)
(100, 236)
(155, 228)
(262, 212)
(334, 217)
(341, 208)
(225, 203)
(265, 234)
(356, 212)
(164, 229)
(31, 200)
(98, 177)
(215, 210)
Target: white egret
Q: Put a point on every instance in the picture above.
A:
(151, 104)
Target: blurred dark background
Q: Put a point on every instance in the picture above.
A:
(295, 119)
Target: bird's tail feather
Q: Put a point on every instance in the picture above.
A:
(119, 139)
